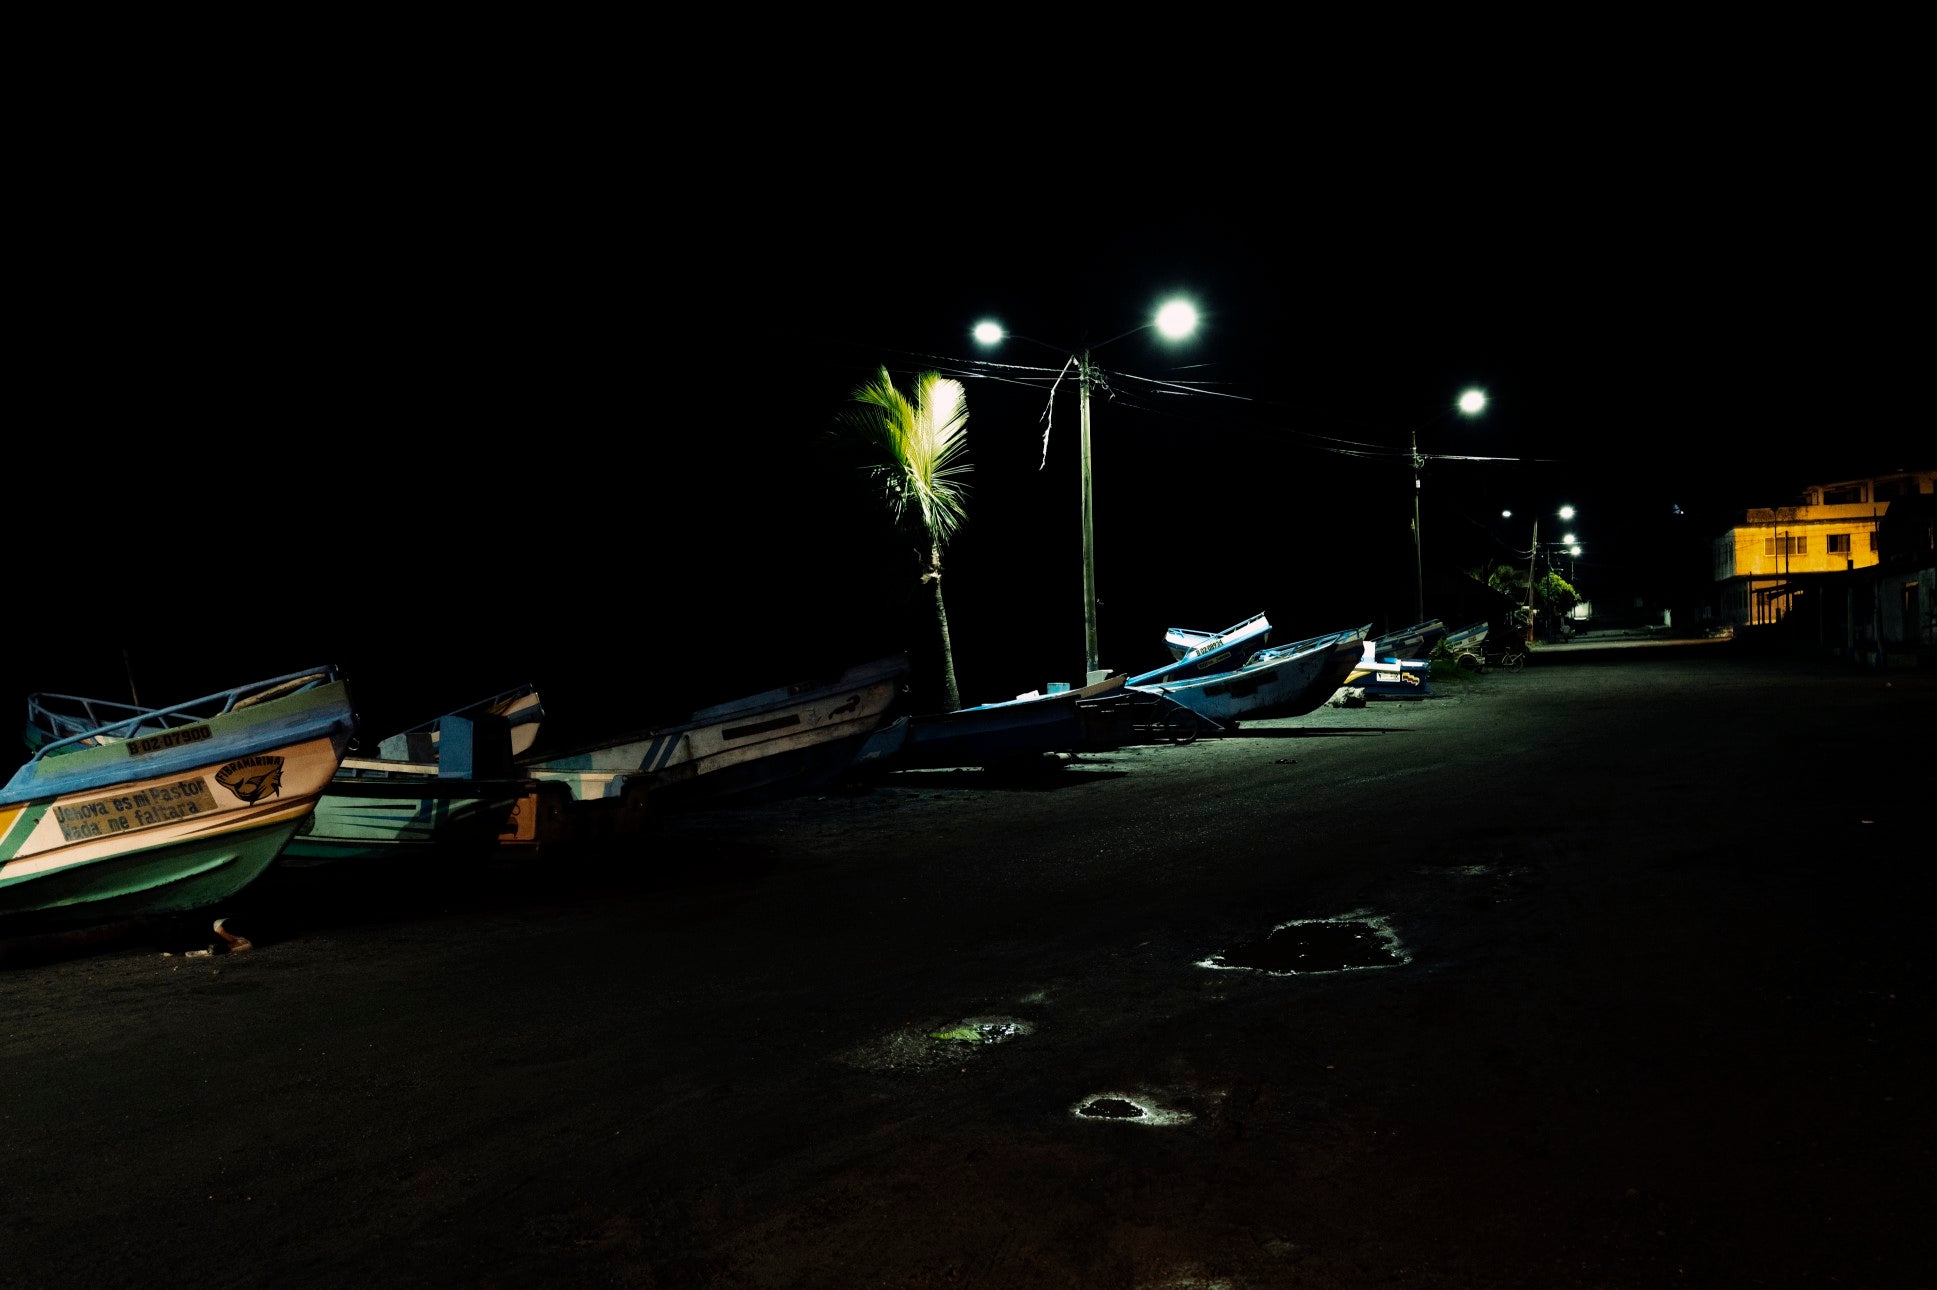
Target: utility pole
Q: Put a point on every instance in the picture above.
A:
(1089, 545)
(1470, 403)
(1418, 539)
(1176, 319)
(1530, 559)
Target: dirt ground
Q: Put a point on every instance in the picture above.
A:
(1623, 982)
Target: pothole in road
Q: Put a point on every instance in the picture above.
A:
(1311, 945)
(919, 1049)
(1126, 1108)
(981, 1032)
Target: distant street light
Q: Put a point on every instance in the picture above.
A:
(1174, 320)
(1471, 403)
(1565, 513)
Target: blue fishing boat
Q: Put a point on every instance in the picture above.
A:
(1416, 641)
(1003, 734)
(1280, 681)
(1467, 640)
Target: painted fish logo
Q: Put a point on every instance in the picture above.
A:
(252, 778)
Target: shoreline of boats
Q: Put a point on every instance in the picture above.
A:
(129, 811)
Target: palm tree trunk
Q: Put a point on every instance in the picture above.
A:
(950, 694)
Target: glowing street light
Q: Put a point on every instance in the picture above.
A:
(1175, 320)
(1471, 403)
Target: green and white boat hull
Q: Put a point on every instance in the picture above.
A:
(169, 810)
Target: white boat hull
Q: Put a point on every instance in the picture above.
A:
(778, 737)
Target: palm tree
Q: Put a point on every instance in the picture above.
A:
(916, 447)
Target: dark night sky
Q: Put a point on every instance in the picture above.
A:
(461, 416)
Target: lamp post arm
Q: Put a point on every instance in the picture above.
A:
(1119, 336)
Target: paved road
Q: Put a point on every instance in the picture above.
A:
(1642, 998)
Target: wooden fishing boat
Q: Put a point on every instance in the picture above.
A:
(788, 739)
(460, 802)
(166, 810)
(1280, 681)
(1188, 640)
(1143, 716)
(1416, 641)
(1467, 640)
(520, 707)
(1009, 733)
(1195, 653)
(1398, 665)
(1406, 678)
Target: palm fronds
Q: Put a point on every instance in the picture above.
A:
(921, 446)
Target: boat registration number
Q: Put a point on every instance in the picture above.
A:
(129, 812)
(168, 739)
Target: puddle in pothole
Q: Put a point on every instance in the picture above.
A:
(1112, 1108)
(1310, 945)
(1126, 1108)
(926, 1048)
(981, 1032)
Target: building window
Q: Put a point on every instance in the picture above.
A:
(1873, 541)
(1787, 544)
(1843, 495)
(1839, 544)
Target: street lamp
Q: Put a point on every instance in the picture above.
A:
(1174, 320)
(1565, 513)
(1573, 550)
(1471, 403)
(1570, 547)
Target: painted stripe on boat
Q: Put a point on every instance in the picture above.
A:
(659, 751)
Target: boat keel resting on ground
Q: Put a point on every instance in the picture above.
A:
(1008, 733)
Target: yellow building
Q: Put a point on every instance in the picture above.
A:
(1833, 529)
